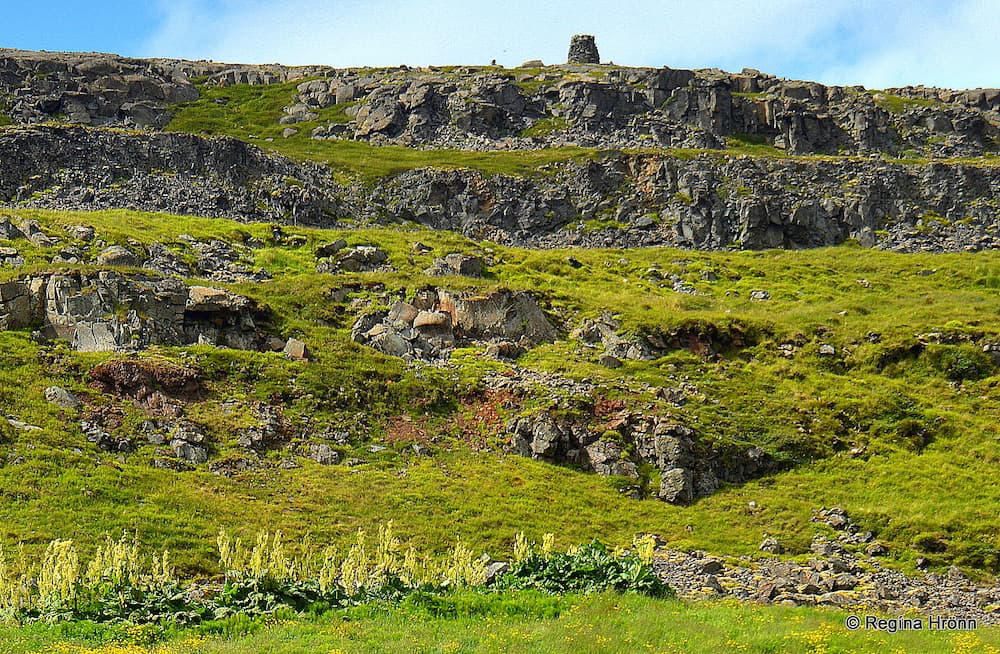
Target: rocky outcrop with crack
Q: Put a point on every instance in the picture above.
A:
(103, 311)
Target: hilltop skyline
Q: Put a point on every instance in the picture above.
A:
(877, 44)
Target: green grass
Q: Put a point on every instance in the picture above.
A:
(252, 113)
(521, 622)
(752, 144)
(897, 104)
(922, 418)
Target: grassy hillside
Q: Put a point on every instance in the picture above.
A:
(901, 436)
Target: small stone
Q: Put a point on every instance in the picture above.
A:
(116, 255)
(711, 566)
(62, 398)
(827, 350)
(289, 132)
(876, 549)
(324, 454)
(296, 350)
(84, 233)
(188, 452)
(609, 361)
(760, 296)
(771, 546)
(330, 249)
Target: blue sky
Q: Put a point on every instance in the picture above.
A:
(878, 43)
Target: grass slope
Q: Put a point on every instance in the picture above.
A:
(923, 418)
(521, 622)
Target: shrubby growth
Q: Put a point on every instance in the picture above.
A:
(121, 582)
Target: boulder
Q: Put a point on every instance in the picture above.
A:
(607, 458)
(324, 454)
(504, 314)
(676, 486)
(456, 264)
(116, 255)
(191, 453)
(62, 398)
(330, 249)
(296, 350)
(10, 257)
(8, 232)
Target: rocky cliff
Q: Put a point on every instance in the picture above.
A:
(706, 201)
(88, 168)
(698, 158)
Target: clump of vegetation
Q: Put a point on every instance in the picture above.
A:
(120, 582)
(897, 104)
(546, 126)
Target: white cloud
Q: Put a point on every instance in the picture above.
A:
(884, 43)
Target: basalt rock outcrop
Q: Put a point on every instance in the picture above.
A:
(687, 468)
(893, 191)
(103, 311)
(92, 169)
(710, 201)
(437, 320)
(94, 88)
(582, 103)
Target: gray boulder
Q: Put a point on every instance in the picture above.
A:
(296, 350)
(10, 257)
(102, 311)
(324, 454)
(8, 231)
(456, 264)
(62, 398)
(503, 314)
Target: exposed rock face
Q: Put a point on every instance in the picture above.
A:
(438, 320)
(703, 200)
(91, 88)
(710, 202)
(614, 107)
(507, 315)
(687, 468)
(703, 339)
(583, 50)
(456, 264)
(104, 311)
(91, 169)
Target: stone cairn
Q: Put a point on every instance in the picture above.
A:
(583, 50)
